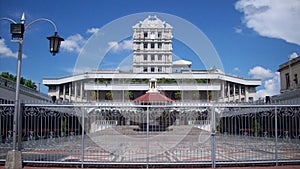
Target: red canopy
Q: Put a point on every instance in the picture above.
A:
(153, 97)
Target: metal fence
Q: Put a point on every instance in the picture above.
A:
(124, 133)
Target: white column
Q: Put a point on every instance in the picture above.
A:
(228, 91)
(246, 94)
(57, 92)
(75, 92)
(70, 89)
(233, 92)
(81, 90)
(240, 93)
(223, 91)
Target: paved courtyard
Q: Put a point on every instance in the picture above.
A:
(122, 144)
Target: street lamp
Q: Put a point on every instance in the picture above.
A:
(54, 43)
(17, 31)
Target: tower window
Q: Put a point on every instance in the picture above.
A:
(138, 46)
(145, 69)
(159, 34)
(159, 69)
(152, 57)
(159, 57)
(152, 45)
(159, 45)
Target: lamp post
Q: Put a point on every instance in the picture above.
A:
(17, 31)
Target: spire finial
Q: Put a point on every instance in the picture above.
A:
(23, 18)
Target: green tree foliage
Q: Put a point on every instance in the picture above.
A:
(23, 81)
(178, 95)
(108, 95)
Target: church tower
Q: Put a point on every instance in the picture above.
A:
(152, 46)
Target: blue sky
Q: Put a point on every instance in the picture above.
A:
(252, 38)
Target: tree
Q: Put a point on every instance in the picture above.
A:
(130, 95)
(8, 76)
(5, 75)
(30, 84)
(108, 95)
(23, 81)
(178, 95)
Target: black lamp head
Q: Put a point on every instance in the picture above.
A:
(17, 30)
(55, 43)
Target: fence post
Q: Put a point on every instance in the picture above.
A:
(82, 138)
(276, 136)
(213, 136)
(147, 141)
(20, 126)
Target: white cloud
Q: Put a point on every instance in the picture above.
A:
(236, 69)
(270, 80)
(293, 55)
(238, 30)
(117, 47)
(93, 30)
(259, 72)
(272, 18)
(73, 43)
(6, 52)
(271, 87)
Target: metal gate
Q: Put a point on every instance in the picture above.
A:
(123, 133)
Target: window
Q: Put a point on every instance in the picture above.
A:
(243, 90)
(251, 89)
(296, 79)
(152, 69)
(52, 88)
(67, 88)
(231, 89)
(159, 45)
(287, 80)
(237, 87)
(61, 89)
(159, 57)
(152, 57)
(145, 69)
(78, 89)
(138, 46)
(72, 89)
(145, 58)
(159, 69)
(145, 34)
(250, 99)
(152, 45)
(159, 34)
(145, 45)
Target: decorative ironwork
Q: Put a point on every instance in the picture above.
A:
(124, 133)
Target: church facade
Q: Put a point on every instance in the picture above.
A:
(152, 59)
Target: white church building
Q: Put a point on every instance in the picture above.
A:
(152, 59)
